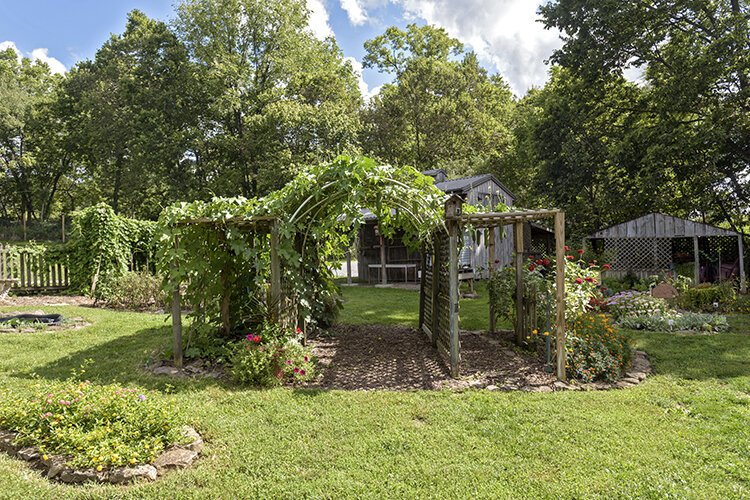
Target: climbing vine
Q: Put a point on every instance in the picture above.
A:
(318, 215)
(103, 246)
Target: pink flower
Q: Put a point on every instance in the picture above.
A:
(302, 372)
(289, 361)
(580, 251)
(606, 267)
(296, 370)
(307, 359)
(249, 337)
(567, 248)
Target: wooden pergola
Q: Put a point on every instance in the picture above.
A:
(439, 290)
(268, 225)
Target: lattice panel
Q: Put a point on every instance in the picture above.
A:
(639, 254)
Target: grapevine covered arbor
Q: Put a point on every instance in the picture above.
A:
(439, 288)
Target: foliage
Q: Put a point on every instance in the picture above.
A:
(137, 290)
(689, 125)
(582, 288)
(271, 356)
(632, 303)
(97, 426)
(318, 214)
(629, 282)
(103, 246)
(597, 349)
(442, 109)
(707, 297)
(675, 322)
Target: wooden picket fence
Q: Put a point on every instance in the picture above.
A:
(32, 273)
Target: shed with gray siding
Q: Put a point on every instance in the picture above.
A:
(656, 242)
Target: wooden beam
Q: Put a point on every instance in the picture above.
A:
(349, 267)
(696, 262)
(455, 345)
(560, 262)
(422, 265)
(436, 262)
(491, 269)
(518, 237)
(383, 268)
(275, 299)
(176, 320)
(743, 278)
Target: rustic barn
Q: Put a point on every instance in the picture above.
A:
(376, 253)
(656, 243)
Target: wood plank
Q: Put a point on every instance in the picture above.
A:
(696, 262)
(518, 238)
(491, 267)
(560, 295)
(455, 345)
(743, 278)
(275, 289)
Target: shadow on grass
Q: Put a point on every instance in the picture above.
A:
(122, 360)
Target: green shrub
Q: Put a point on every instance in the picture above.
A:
(137, 290)
(676, 322)
(632, 303)
(96, 426)
(708, 297)
(628, 282)
(597, 349)
(270, 357)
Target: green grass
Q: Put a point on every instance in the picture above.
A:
(395, 306)
(682, 433)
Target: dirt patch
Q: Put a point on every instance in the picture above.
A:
(396, 358)
(47, 300)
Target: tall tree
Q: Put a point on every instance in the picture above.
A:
(696, 55)
(132, 116)
(31, 165)
(276, 97)
(442, 110)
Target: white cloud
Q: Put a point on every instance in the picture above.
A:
(55, 65)
(10, 45)
(39, 54)
(318, 21)
(364, 89)
(354, 11)
(504, 33)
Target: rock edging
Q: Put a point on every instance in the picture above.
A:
(175, 457)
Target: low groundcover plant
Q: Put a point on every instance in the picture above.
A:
(92, 426)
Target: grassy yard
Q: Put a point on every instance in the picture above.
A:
(683, 433)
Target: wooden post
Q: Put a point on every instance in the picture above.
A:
(743, 278)
(62, 228)
(383, 269)
(697, 262)
(520, 326)
(560, 294)
(275, 299)
(455, 345)
(176, 320)
(349, 267)
(23, 223)
(491, 270)
(422, 291)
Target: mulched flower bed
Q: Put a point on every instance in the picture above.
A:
(368, 357)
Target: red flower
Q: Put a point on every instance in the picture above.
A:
(569, 257)
(296, 369)
(567, 248)
(546, 262)
(580, 251)
(532, 267)
(590, 280)
(256, 339)
(606, 267)
(579, 281)
(298, 331)
(302, 372)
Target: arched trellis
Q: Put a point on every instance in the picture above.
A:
(293, 230)
(439, 289)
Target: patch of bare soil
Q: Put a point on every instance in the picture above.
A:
(47, 300)
(362, 357)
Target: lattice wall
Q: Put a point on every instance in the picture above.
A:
(639, 254)
(436, 296)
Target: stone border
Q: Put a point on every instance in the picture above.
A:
(175, 457)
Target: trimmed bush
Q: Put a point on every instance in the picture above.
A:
(708, 297)
(137, 290)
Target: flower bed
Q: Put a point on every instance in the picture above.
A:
(597, 349)
(81, 431)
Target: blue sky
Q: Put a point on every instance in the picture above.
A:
(505, 33)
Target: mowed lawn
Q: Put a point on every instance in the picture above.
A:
(682, 433)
